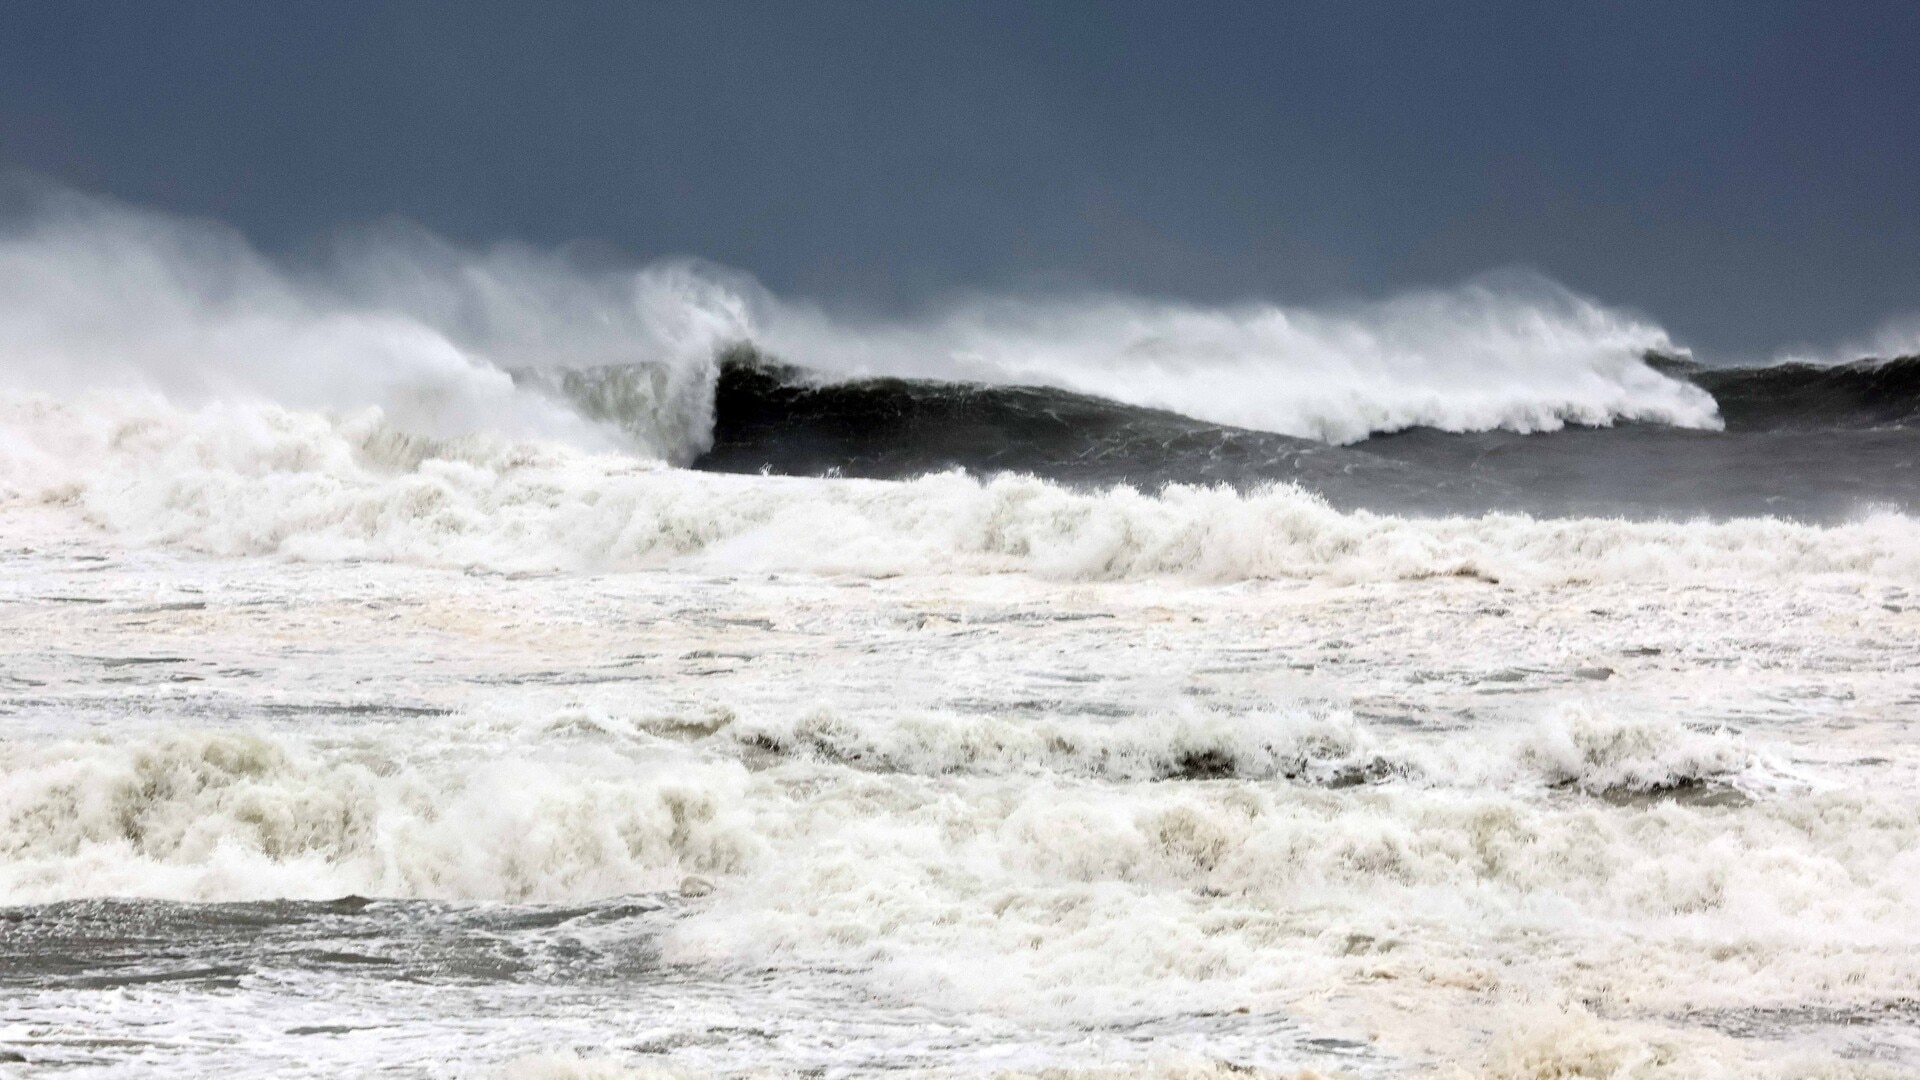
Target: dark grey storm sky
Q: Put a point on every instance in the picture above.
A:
(1747, 173)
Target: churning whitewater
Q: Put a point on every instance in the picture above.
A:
(436, 663)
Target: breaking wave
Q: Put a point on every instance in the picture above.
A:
(94, 294)
(1574, 749)
(208, 816)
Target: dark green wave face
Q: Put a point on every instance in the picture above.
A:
(1812, 397)
(1801, 441)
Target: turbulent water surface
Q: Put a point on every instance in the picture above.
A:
(470, 665)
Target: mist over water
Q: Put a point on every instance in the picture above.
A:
(1896, 336)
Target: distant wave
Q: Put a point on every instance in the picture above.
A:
(1805, 396)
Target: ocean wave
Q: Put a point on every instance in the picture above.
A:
(95, 294)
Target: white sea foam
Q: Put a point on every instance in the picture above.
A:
(901, 791)
(234, 479)
(211, 816)
(1539, 1044)
(1083, 901)
(1086, 899)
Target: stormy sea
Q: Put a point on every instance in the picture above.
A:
(422, 661)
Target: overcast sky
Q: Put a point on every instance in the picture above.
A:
(1746, 173)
